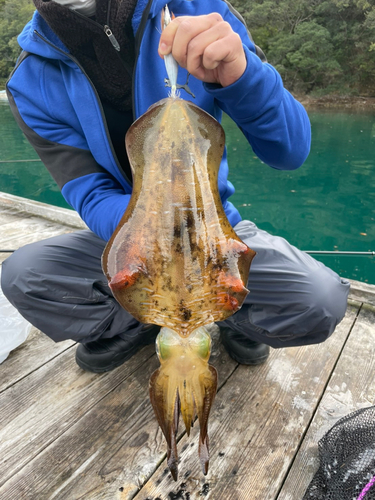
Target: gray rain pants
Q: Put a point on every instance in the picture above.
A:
(58, 286)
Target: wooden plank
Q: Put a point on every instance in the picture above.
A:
(37, 350)
(7, 216)
(42, 406)
(362, 292)
(110, 451)
(23, 231)
(10, 214)
(24, 239)
(257, 424)
(351, 387)
(43, 210)
(19, 231)
(28, 225)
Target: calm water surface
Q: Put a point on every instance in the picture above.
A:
(327, 204)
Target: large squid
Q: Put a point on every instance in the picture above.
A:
(175, 261)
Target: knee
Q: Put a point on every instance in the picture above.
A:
(329, 292)
(325, 303)
(9, 275)
(15, 270)
(307, 315)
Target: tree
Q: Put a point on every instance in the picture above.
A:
(305, 57)
(317, 45)
(352, 27)
(14, 15)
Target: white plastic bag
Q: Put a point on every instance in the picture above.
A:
(14, 329)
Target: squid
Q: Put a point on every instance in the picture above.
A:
(174, 260)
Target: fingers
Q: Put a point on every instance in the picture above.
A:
(212, 48)
(206, 46)
(181, 31)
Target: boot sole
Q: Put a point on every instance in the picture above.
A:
(108, 368)
(115, 363)
(244, 361)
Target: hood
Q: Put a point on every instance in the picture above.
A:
(30, 40)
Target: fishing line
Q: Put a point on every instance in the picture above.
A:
(334, 252)
(17, 161)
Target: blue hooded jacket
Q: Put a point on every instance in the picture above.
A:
(59, 110)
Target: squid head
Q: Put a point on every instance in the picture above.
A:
(184, 384)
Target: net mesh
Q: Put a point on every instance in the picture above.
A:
(347, 460)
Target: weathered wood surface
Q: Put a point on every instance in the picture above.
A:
(22, 231)
(351, 387)
(35, 352)
(109, 451)
(18, 229)
(44, 405)
(258, 420)
(42, 210)
(362, 292)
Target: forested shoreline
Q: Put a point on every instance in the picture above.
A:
(320, 47)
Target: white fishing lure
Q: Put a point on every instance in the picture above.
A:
(170, 63)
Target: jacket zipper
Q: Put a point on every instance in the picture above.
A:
(107, 30)
(111, 37)
(114, 42)
(66, 54)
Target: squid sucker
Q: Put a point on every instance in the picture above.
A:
(174, 260)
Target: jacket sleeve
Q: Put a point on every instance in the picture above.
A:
(91, 190)
(275, 124)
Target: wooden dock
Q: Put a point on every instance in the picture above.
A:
(67, 434)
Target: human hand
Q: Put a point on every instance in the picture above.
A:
(206, 46)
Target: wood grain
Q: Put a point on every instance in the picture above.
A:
(15, 234)
(109, 452)
(362, 292)
(24, 206)
(259, 419)
(42, 406)
(17, 230)
(37, 350)
(10, 214)
(351, 387)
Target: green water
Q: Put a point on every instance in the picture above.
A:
(328, 204)
(17, 176)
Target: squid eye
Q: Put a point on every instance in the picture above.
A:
(200, 341)
(165, 343)
(162, 350)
